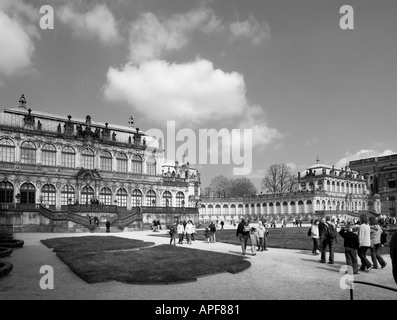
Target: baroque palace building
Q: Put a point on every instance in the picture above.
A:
(65, 163)
(323, 190)
(381, 176)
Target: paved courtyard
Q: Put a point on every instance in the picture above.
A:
(275, 274)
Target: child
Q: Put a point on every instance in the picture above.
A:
(254, 242)
(351, 244)
(172, 235)
(207, 235)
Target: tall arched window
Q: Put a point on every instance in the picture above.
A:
(392, 181)
(87, 159)
(28, 152)
(392, 203)
(292, 205)
(48, 194)
(6, 192)
(233, 209)
(121, 196)
(67, 195)
(68, 157)
(136, 198)
(87, 194)
(151, 166)
(309, 206)
(122, 162)
(136, 164)
(180, 199)
(333, 185)
(49, 155)
(328, 185)
(311, 186)
(7, 150)
(105, 196)
(28, 193)
(151, 198)
(106, 161)
(301, 208)
(167, 199)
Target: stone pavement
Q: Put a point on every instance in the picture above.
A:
(273, 275)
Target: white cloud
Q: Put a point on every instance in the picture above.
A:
(362, 154)
(250, 29)
(151, 36)
(99, 22)
(17, 33)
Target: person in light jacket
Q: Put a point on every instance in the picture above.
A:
(376, 231)
(189, 231)
(261, 236)
(315, 236)
(181, 231)
(364, 237)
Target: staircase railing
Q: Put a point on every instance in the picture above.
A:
(128, 219)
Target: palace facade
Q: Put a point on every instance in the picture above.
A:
(62, 162)
(322, 190)
(381, 176)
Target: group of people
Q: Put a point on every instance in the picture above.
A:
(183, 230)
(359, 237)
(156, 225)
(256, 235)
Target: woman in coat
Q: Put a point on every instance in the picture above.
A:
(376, 231)
(315, 236)
(364, 237)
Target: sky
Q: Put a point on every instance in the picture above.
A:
(284, 73)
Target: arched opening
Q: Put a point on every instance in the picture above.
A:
(121, 197)
(105, 196)
(28, 193)
(6, 192)
(167, 199)
(151, 198)
(136, 198)
(87, 194)
(180, 199)
(48, 195)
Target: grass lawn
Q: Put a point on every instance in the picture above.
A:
(93, 243)
(88, 258)
(158, 265)
(286, 238)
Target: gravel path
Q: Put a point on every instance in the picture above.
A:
(275, 274)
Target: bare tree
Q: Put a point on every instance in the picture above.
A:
(242, 187)
(279, 179)
(220, 186)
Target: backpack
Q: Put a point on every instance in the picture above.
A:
(330, 231)
(309, 232)
(383, 237)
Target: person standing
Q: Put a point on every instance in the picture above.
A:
(222, 224)
(364, 237)
(375, 234)
(181, 231)
(328, 241)
(212, 228)
(189, 231)
(351, 245)
(315, 236)
(253, 240)
(393, 254)
(243, 234)
(107, 226)
(261, 236)
(172, 235)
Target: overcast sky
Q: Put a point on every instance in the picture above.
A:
(284, 69)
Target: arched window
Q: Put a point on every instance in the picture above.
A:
(210, 210)
(311, 185)
(48, 194)
(370, 206)
(343, 187)
(87, 159)
(328, 185)
(240, 209)
(392, 203)
(285, 207)
(67, 195)
(278, 208)
(136, 164)
(258, 208)
(6, 192)
(292, 205)
(333, 185)
(217, 210)
(264, 208)
(309, 206)
(301, 208)
(167, 199)
(247, 209)
(233, 209)
(271, 208)
(338, 187)
(49, 155)
(318, 205)
(121, 197)
(87, 194)
(105, 196)
(106, 161)
(28, 152)
(151, 166)
(122, 162)
(225, 209)
(136, 198)
(180, 199)
(151, 198)
(68, 157)
(28, 193)
(7, 150)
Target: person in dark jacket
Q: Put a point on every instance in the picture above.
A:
(242, 235)
(393, 254)
(351, 245)
(107, 226)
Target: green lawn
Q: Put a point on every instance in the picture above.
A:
(93, 243)
(286, 238)
(163, 264)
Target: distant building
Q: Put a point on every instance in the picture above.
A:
(59, 162)
(381, 176)
(323, 190)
